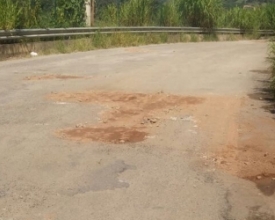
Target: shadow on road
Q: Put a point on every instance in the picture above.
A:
(264, 92)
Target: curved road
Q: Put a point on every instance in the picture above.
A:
(176, 131)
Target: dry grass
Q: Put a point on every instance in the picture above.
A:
(104, 41)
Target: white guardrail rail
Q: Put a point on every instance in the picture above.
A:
(6, 35)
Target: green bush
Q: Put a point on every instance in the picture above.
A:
(41, 13)
(70, 13)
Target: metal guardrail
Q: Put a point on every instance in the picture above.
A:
(85, 31)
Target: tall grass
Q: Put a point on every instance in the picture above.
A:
(29, 14)
(169, 14)
(197, 13)
(207, 14)
(130, 13)
(240, 18)
(136, 13)
(268, 17)
(201, 13)
(8, 14)
(41, 13)
(262, 17)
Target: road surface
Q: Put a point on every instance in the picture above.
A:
(176, 131)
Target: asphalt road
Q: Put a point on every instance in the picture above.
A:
(160, 132)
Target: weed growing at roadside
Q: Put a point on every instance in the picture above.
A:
(102, 41)
(210, 37)
(194, 38)
(272, 59)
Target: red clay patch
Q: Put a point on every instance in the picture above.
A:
(243, 141)
(125, 115)
(116, 135)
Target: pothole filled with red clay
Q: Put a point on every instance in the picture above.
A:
(116, 135)
(128, 117)
(47, 77)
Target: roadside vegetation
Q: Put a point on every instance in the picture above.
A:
(207, 14)
(196, 13)
(272, 59)
(18, 14)
(103, 41)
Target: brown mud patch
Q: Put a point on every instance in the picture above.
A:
(116, 135)
(251, 162)
(47, 77)
(265, 183)
(127, 117)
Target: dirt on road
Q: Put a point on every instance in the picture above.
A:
(127, 117)
(240, 147)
